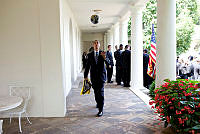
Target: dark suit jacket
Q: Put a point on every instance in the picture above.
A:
(117, 56)
(97, 71)
(126, 59)
(110, 58)
(145, 62)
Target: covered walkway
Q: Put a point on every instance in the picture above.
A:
(124, 113)
(41, 43)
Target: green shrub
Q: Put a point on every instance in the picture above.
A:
(151, 89)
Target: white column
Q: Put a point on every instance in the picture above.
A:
(108, 37)
(123, 32)
(136, 49)
(112, 36)
(120, 31)
(166, 41)
(105, 41)
(116, 34)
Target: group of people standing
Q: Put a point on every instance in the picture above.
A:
(100, 65)
(123, 65)
(122, 62)
(188, 68)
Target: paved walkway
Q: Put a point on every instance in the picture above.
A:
(124, 113)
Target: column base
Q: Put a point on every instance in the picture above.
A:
(141, 95)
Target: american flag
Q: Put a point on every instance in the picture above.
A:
(151, 71)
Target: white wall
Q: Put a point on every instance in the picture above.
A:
(87, 39)
(20, 49)
(70, 42)
(31, 38)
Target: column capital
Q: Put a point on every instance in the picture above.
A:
(116, 24)
(123, 21)
(136, 9)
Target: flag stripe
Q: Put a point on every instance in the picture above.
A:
(151, 71)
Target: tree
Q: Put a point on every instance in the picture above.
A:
(187, 14)
(184, 31)
(149, 18)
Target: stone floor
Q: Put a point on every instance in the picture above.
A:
(124, 113)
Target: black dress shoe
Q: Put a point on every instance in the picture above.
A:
(100, 114)
(126, 85)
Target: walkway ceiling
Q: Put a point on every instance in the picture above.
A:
(112, 11)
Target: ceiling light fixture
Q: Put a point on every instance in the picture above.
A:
(97, 10)
(95, 18)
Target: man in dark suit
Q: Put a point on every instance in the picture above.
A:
(146, 77)
(96, 66)
(126, 66)
(119, 70)
(109, 66)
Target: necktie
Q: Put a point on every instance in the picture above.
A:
(96, 58)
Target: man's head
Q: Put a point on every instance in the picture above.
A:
(116, 47)
(109, 47)
(127, 47)
(96, 45)
(145, 51)
(121, 47)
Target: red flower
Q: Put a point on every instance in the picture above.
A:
(188, 94)
(178, 112)
(170, 102)
(182, 109)
(198, 105)
(181, 84)
(168, 119)
(187, 107)
(186, 118)
(193, 132)
(179, 104)
(156, 90)
(151, 102)
(165, 84)
(180, 120)
(191, 111)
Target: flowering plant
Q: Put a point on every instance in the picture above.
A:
(178, 103)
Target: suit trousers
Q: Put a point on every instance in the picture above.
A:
(119, 72)
(147, 80)
(109, 73)
(126, 76)
(99, 94)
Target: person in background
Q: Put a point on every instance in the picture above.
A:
(190, 67)
(177, 66)
(109, 66)
(96, 65)
(119, 70)
(84, 59)
(146, 77)
(126, 66)
(116, 48)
